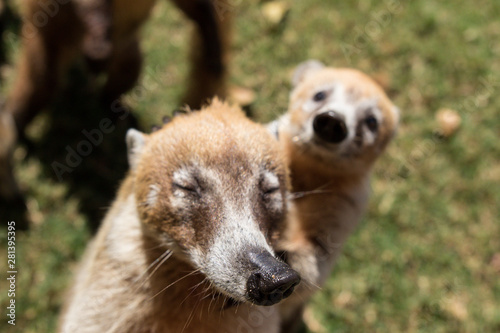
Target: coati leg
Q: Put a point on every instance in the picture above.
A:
(46, 53)
(2, 28)
(123, 72)
(124, 69)
(209, 49)
(12, 204)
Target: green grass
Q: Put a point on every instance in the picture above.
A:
(421, 261)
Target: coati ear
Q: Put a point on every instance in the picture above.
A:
(135, 143)
(395, 118)
(305, 69)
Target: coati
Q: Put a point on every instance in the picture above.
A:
(187, 244)
(338, 123)
(105, 34)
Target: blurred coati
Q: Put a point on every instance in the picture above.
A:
(3, 11)
(106, 34)
(187, 246)
(338, 123)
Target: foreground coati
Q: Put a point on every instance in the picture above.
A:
(105, 34)
(187, 244)
(338, 123)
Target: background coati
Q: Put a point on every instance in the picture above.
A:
(338, 123)
(104, 35)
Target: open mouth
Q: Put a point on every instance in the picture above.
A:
(350, 151)
(318, 143)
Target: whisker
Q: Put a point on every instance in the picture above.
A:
(209, 293)
(311, 285)
(298, 195)
(191, 317)
(223, 305)
(179, 279)
(319, 190)
(166, 253)
(206, 293)
(154, 247)
(198, 284)
(192, 291)
(158, 262)
(211, 300)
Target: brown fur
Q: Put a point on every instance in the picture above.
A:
(3, 18)
(121, 287)
(330, 192)
(106, 34)
(7, 137)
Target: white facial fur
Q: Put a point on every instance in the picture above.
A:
(239, 232)
(237, 229)
(353, 110)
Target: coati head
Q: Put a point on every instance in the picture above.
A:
(211, 186)
(340, 115)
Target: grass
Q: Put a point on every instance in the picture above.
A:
(423, 258)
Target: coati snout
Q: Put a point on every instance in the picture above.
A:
(271, 281)
(330, 127)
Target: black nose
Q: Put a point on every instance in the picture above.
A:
(330, 127)
(271, 281)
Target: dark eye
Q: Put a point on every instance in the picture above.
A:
(319, 96)
(372, 123)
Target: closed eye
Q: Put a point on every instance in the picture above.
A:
(269, 185)
(193, 189)
(185, 187)
(271, 190)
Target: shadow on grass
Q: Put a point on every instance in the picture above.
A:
(95, 178)
(78, 150)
